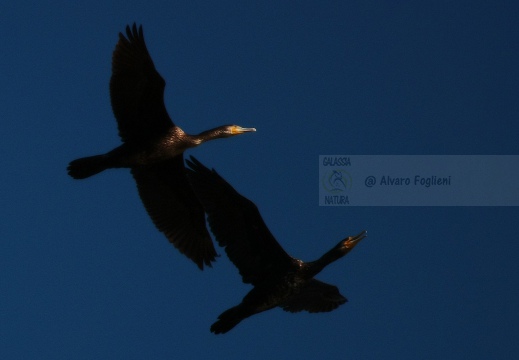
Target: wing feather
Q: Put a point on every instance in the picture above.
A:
(137, 90)
(238, 226)
(174, 208)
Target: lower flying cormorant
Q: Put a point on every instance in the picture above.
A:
(278, 279)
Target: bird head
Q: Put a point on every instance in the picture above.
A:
(350, 242)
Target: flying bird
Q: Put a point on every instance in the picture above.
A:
(278, 278)
(153, 148)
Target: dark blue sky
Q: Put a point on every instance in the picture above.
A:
(83, 272)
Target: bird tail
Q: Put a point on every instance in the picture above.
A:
(87, 166)
(229, 319)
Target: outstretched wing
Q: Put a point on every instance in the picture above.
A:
(137, 90)
(174, 208)
(237, 225)
(315, 297)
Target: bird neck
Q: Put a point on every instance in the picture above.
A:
(315, 267)
(207, 135)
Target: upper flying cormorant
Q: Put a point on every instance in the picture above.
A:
(152, 148)
(278, 279)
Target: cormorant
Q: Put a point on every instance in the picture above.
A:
(153, 149)
(278, 279)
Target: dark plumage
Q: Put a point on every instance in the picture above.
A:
(278, 279)
(152, 148)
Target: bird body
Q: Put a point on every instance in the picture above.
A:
(129, 154)
(279, 280)
(153, 148)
